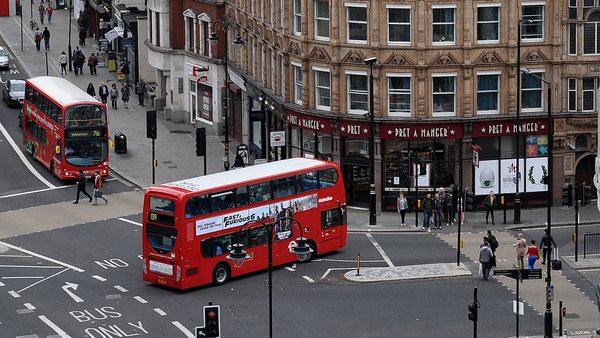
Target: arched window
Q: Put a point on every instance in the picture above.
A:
(591, 34)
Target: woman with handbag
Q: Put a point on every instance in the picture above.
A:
(98, 183)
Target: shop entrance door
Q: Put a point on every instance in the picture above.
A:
(356, 178)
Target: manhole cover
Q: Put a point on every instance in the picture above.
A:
(179, 132)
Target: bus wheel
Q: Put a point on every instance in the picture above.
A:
(221, 274)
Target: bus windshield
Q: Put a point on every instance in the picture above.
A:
(86, 115)
(85, 153)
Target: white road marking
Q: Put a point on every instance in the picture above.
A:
(29, 306)
(160, 312)
(128, 221)
(378, 247)
(102, 279)
(289, 268)
(14, 294)
(23, 159)
(32, 266)
(334, 269)
(42, 257)
(120, 288)
(35, 191)
(54, 327)
(140, 299)
(308, 279)
(38, 282)
(182, 328)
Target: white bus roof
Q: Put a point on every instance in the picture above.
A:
(61, 90)
(246, 174)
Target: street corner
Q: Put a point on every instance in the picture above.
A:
(409, 272)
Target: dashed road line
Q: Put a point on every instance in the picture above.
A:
(140, 299)
(42, 256)
(54, 327)
(120, 288)
(102, 279)
(308, 279)
(378, 247)
(160, 312)
(128, 221)
(182, 328)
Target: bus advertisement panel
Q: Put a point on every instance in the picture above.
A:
(64, 128)
(191, 225)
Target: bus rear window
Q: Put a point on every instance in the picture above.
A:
(162, 205)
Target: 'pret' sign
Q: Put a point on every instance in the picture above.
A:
(421, 132)
(507, 128)
(322, 125)
(354, 129)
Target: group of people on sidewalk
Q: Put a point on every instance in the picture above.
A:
(487, 252)
(104, 92)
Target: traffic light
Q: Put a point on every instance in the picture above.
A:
(473, 312)
(469, 201)
(567, 194)
(587, 194)
(212, 323)
(151, 124)
(200, 142)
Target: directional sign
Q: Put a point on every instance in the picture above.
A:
(73, 286)
(200, 331)
(525, 273)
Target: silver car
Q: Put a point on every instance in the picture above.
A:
(3, 58)
(13, 92)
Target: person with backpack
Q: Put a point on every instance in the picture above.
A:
(81, 182)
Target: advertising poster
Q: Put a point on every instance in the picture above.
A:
(508, 176)
(487, 178)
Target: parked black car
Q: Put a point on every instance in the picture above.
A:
(13, 92)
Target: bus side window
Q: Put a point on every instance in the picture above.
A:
(327, 178)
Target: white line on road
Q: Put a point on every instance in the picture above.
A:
(378, 247)
(308, 279)
(34, 191)
(128, 221)
(54, 327)
(14, 294)
(42, 257)
(102, 279)
(160, 312)
(38, 282)
(120, 288)
(29, 306)
(140, 299)
(22, 157)
(185, 331)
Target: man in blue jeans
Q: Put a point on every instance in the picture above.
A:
(427, 206)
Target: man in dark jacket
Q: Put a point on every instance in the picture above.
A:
(81, 181)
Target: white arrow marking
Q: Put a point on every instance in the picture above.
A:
(71, 294)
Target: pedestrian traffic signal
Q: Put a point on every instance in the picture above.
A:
(473, 312)
(567, 194)
(469, 201)
(212, 323)
(587, 195)
(201, 142)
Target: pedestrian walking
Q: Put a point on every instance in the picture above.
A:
(438, 205)
(489, 202)
(546, 244)
(114, 96)
(81, 182)
(125, 94)
(82, 36)
(91, 90)
(42, 11)
(533, 254)
(427, 205)
(125, 71)
(38, 38)
(63, 59)
(521, 247)
(98, 185)
(49, 11)
(493, 245)
(46, 36)
(92, 63)
(485, 259)
(402, 205)
(140, 90)
(103, 92)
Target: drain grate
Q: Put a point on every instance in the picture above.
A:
(177, 131)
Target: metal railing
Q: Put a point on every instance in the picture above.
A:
(591, 244)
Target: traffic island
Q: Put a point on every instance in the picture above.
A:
(421, 271)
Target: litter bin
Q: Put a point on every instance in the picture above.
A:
(120, 143)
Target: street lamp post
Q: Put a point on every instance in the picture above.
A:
(372, 197)
(224, 26)
(238, 255)
(69, 48)
(550, 183)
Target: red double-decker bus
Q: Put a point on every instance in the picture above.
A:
(64, 128)
(189, 226)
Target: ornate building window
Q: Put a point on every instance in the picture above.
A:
(443, 24)
(488, 92)
(358, 94)
(322, 88)
(444, 94)
(356, 16)
(399, 94)
(322, 20)
(488, 23)
(398, 24)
